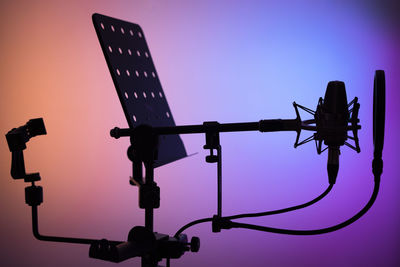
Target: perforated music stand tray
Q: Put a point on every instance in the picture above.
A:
(137, 83)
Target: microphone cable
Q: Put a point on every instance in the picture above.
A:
(229, 224)
(259, 214)
(377, 170)
(273, 212)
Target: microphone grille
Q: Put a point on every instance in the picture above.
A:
(335, 100)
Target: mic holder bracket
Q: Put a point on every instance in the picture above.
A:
(16, 140)
(324, 131)
(18, 168)
(212, 140)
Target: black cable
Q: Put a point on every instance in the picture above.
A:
(191, 224)
(266, 213)
(313, 232)
(230, 224)
(273, 212)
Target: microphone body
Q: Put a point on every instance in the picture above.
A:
(333, 163)
(331, 118)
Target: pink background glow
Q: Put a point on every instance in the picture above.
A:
(229, 61)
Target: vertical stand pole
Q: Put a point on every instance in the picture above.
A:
(219, 181)
(143, 151)
(152, 196)
(149, 211)
(212, 142)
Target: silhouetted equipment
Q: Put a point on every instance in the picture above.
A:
(155, 141)
(333, 118)
(379, 111)
(334, 115)
(16, 140)
(377, 169)
(142, 242)
(136, 80)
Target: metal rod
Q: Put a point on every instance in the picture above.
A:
(149, 261)
(149, 212)
(273, 125)
(148, 220)
(227, 127)
(262, 126)
(35, 229)
(219, 181)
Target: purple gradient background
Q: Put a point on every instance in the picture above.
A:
(229, 61)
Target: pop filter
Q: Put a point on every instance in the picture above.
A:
(379, 111)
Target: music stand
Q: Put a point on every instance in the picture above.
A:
(145, 106)
(136, 80)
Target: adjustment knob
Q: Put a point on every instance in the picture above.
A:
(195, 244)
(211, 158)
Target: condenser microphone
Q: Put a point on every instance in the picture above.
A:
(331, 119)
